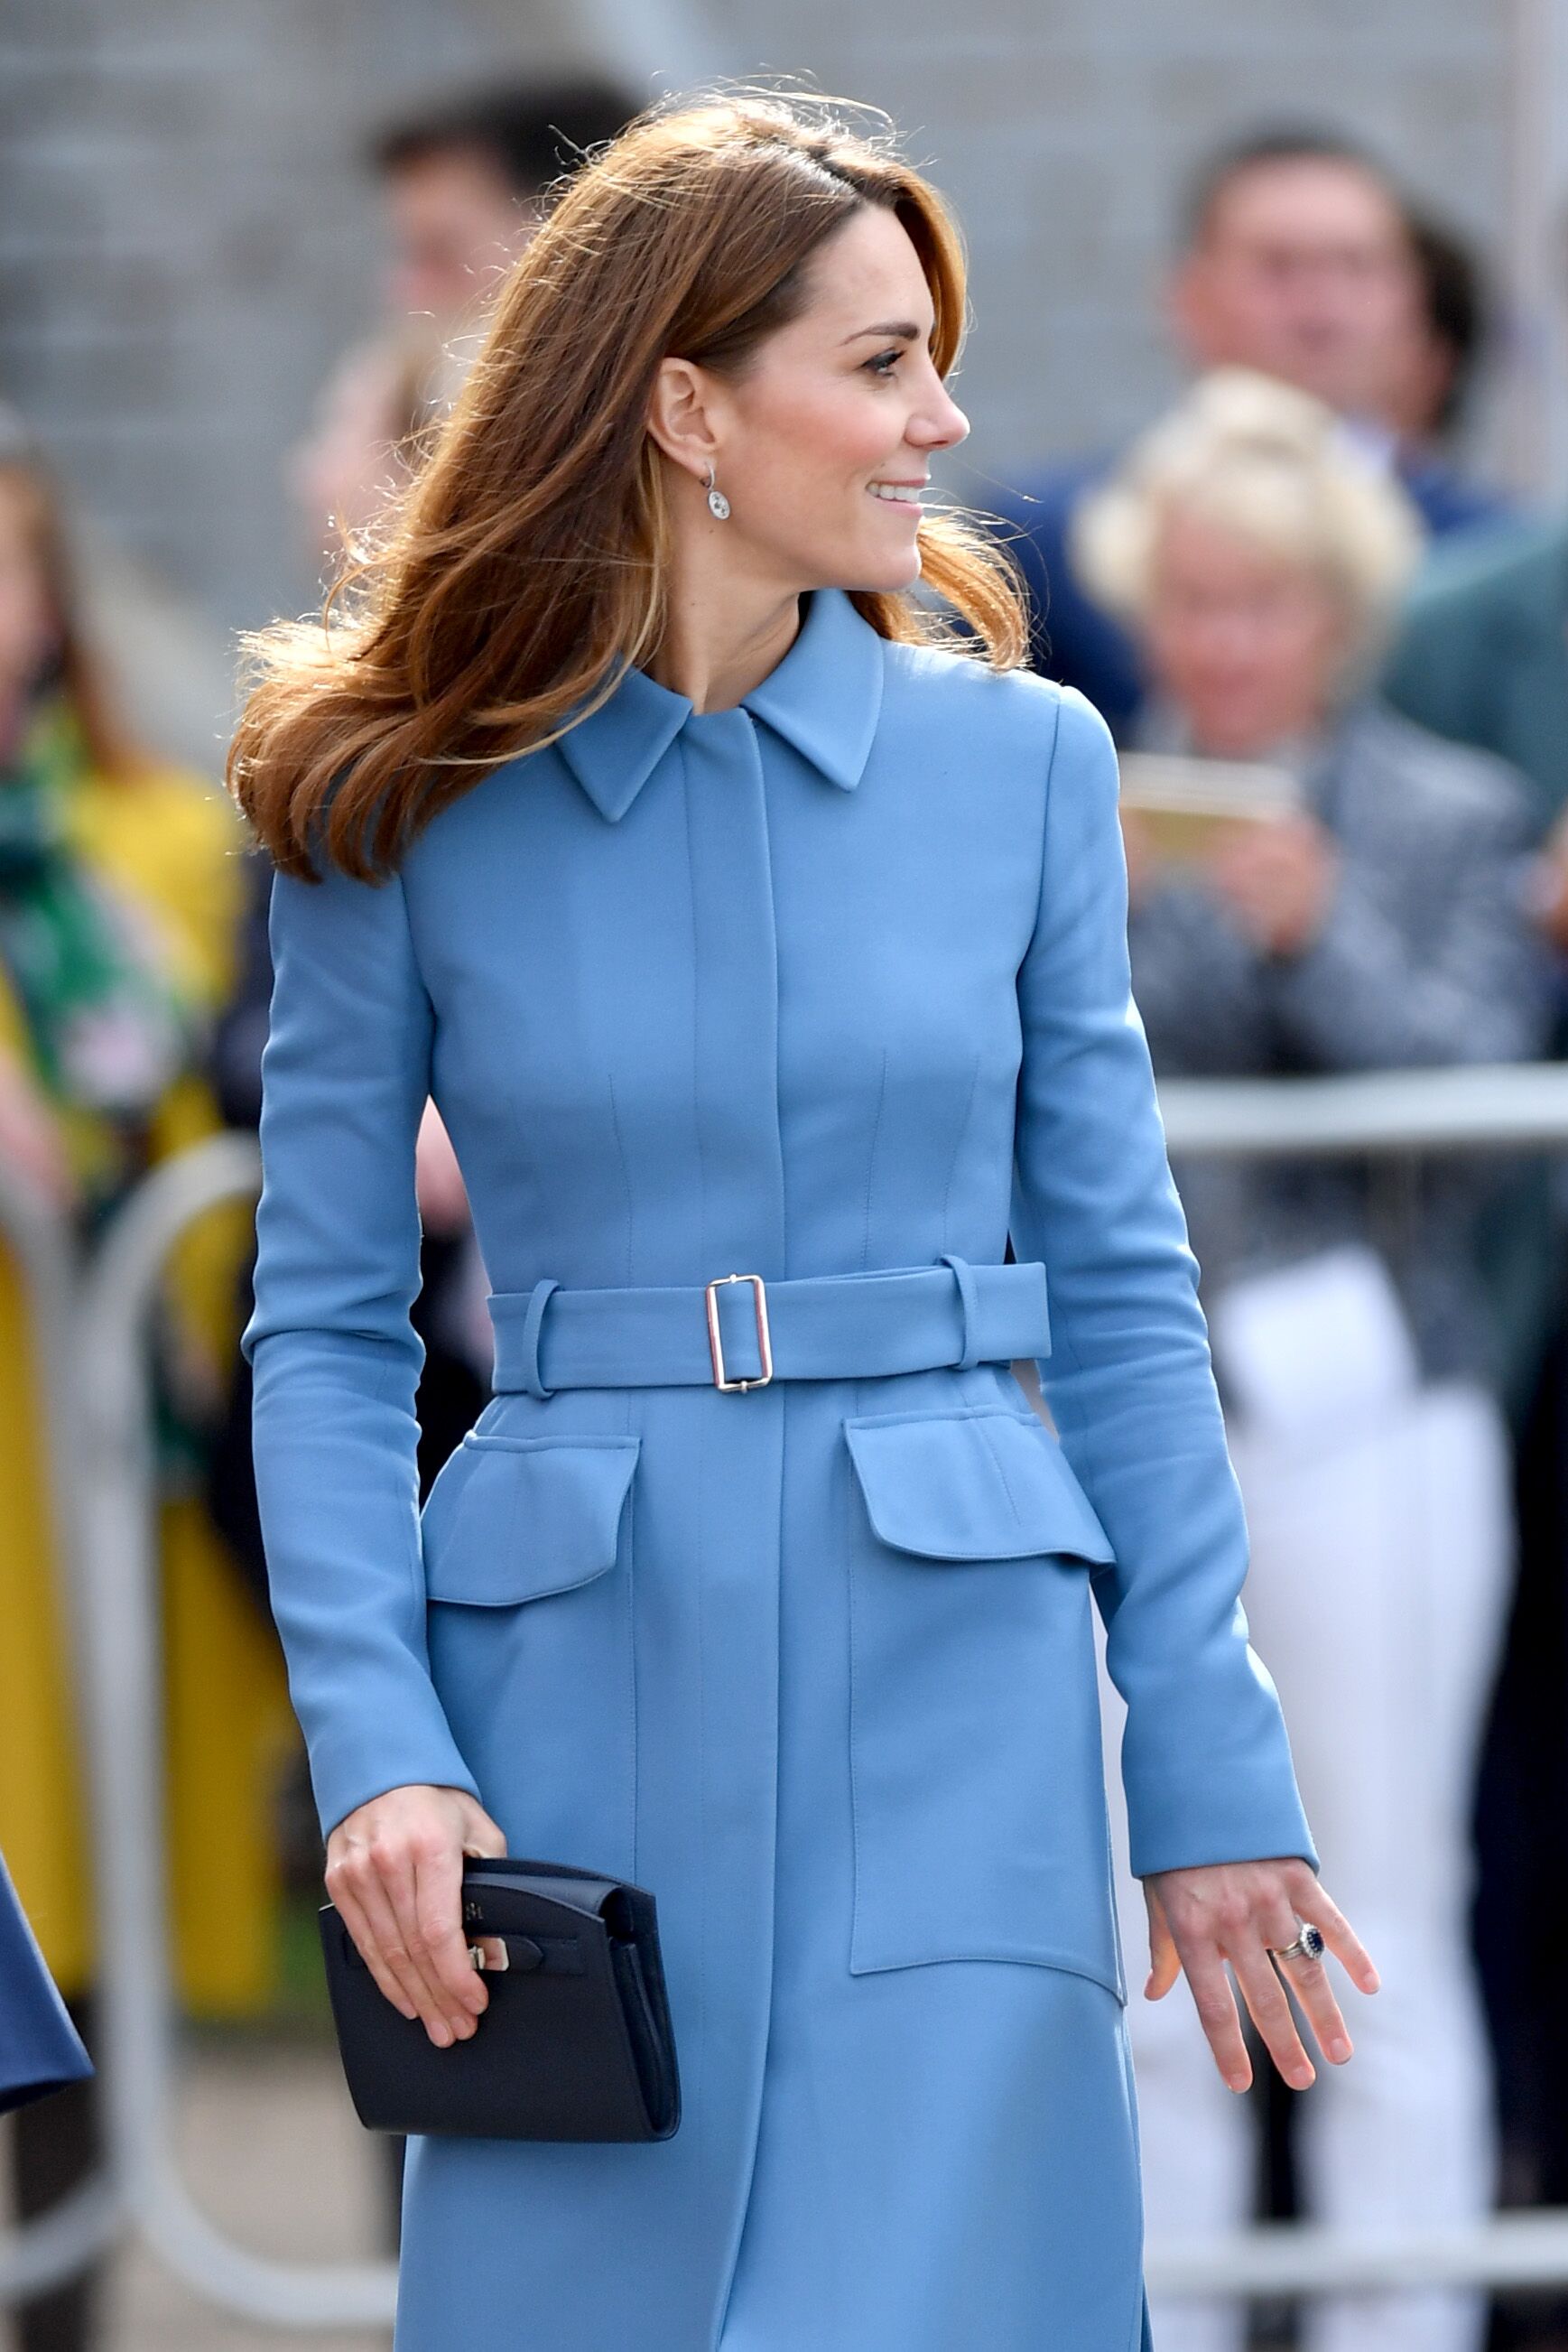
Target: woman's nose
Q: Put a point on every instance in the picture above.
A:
(941, 426)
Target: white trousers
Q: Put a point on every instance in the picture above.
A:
(1381, 1564)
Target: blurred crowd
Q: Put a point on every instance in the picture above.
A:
(1287, 585)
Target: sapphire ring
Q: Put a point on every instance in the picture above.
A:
(1309, 1946)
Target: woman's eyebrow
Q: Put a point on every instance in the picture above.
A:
(904, 328)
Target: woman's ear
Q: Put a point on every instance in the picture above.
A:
(680, 416)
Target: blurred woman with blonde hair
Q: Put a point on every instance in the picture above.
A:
(1376, 924)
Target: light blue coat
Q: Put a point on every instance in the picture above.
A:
(834, 981)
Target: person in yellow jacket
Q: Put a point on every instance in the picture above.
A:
(120, 888)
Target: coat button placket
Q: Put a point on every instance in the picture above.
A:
(736, 985)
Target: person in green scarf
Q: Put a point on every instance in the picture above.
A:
(103, 1033)
(121, 886)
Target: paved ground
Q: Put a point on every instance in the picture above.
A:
(272, 2151)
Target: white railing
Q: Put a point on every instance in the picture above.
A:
(140, 2027)
(94, 1339)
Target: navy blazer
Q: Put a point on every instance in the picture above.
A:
(40, 2049)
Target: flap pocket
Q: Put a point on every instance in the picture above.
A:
(972, 1486)
(511, 1519)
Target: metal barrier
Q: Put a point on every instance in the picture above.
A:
(123, 1687)
(110, 1396)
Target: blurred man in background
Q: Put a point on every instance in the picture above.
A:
(1299, 259)
(461, 184)
(464, 184)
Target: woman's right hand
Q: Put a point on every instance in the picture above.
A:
(394, 1869)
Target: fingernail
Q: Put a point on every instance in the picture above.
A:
(1339, 2051)
(1374, 1983)
(1302, 2078)
(1238, 2081)
(441, 2034)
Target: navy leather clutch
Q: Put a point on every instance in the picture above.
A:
(576, 2044)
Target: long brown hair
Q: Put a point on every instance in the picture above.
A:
(527, 563)
(75, 666)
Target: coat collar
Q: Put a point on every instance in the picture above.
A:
(825, 698)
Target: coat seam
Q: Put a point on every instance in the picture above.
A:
(1064, 1336)
(631, 1668)
(629, 1198)
(959, 1140)
(871, 1162)
(989, 1443)
(849, 1489)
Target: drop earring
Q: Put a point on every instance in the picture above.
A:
(717, 504)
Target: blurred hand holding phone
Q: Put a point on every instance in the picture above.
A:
(1185, 808)
(1245, 829)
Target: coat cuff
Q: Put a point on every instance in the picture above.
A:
(350, 1763)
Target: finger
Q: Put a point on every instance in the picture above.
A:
(1271, 2011)
(404, 1945)
(1217, 2013)
(401, 1887)
(1163, 1965)
(438, 1910)
(1310, 1902)
(351, 1914)
(382, 1922)
(352, 1884)
(1307, 1982)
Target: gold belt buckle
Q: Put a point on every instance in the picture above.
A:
(716, 1342)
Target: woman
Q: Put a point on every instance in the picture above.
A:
(118, 894)
(1381, 926)
(742, 972)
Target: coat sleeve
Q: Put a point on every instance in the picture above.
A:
(335, 1357)
(1205, 1760)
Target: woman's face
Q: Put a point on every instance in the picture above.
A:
(822, 444)
(1248, 645)
(28, 629)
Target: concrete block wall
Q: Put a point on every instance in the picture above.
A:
(186, 242)
(1061, 130)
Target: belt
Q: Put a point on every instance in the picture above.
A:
(740, 1332)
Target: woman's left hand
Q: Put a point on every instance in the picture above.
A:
(1244, 1912)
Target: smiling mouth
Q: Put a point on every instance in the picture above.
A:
(897, 494)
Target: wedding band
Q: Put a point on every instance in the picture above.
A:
(1309, 1946)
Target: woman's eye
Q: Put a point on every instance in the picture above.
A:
(884, 362)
